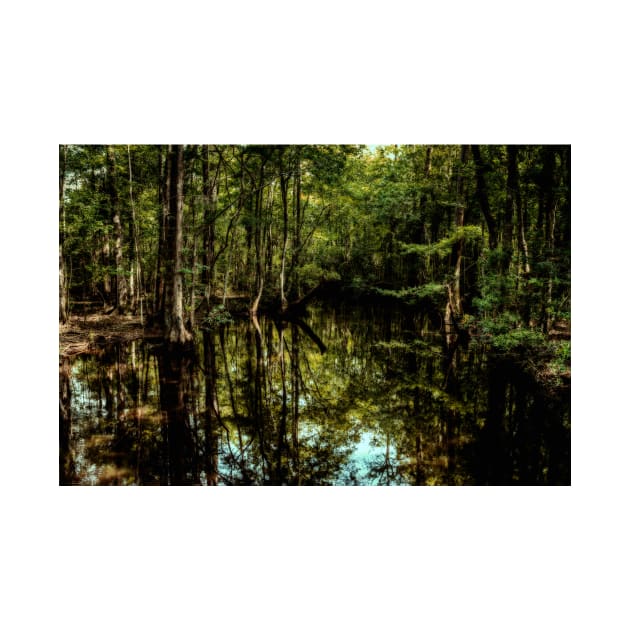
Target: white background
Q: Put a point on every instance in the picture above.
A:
(334, 72)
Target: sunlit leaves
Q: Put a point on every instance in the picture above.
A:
(444, 247)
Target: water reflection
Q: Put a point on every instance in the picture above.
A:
(344, 397)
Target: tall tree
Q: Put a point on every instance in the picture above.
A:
(175, 331)
(284, 187)
(459, 224)
(136, 269)
(482, 196)
(164, 187)
(297, 222)
(210, 194)
(262, 214)
(63, 299)
(122, 294)
(546, 224)
(454, 309)
(509, 210)
(514, 198)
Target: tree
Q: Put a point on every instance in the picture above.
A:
(210, 193)
(122, 292)
(513, 199)
(267, 224)
(482, 196)
(135, 275)
(174, 329)
(63, 296)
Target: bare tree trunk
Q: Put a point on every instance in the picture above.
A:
(106, 262)
(510, 207)
(459, 223)
(513, 177)
(163, 195)
(514, 197)
(176, 333)
(121, 280)
(260, 276)
(297, 231)
(454, 310)
(136, 270)
(210, 193)
(284, 186)
(424, 236)
(193, 262)
(259, 242)
(546, 217)
(482, 196)
(547, 324)
(63, 301)
(169, 240)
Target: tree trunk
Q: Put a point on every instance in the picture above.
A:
(297, 229)
(106, 262)
(210, 191)
(513, 185)
(163, 198)
(459, 223)
(510, 207)
(546, 217)
(193, 264)
(176, 333)
(284, 188)
(259, 241)
(514, 197)
(121, 280)
(482, 196)
(136, 274)
(168, 246)
(63, 301)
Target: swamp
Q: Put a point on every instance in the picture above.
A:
(314, 315)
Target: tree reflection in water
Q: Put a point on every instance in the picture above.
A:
(345, 397)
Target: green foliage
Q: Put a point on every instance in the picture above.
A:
(444, 247)
(311, 274)
(497, 286)
(500, 325)
(520, 340)
(218, 316)
(435, 293)
(563, 354)
(383, 216)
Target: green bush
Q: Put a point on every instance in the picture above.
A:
(435, 293)
(218, 316)
(520, 340)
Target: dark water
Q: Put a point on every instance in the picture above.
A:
(353, 396)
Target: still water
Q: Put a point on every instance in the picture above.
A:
(348, 396)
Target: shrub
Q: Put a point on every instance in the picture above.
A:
(218, 316)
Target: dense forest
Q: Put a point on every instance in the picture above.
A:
(479, 234)
(169, 242)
